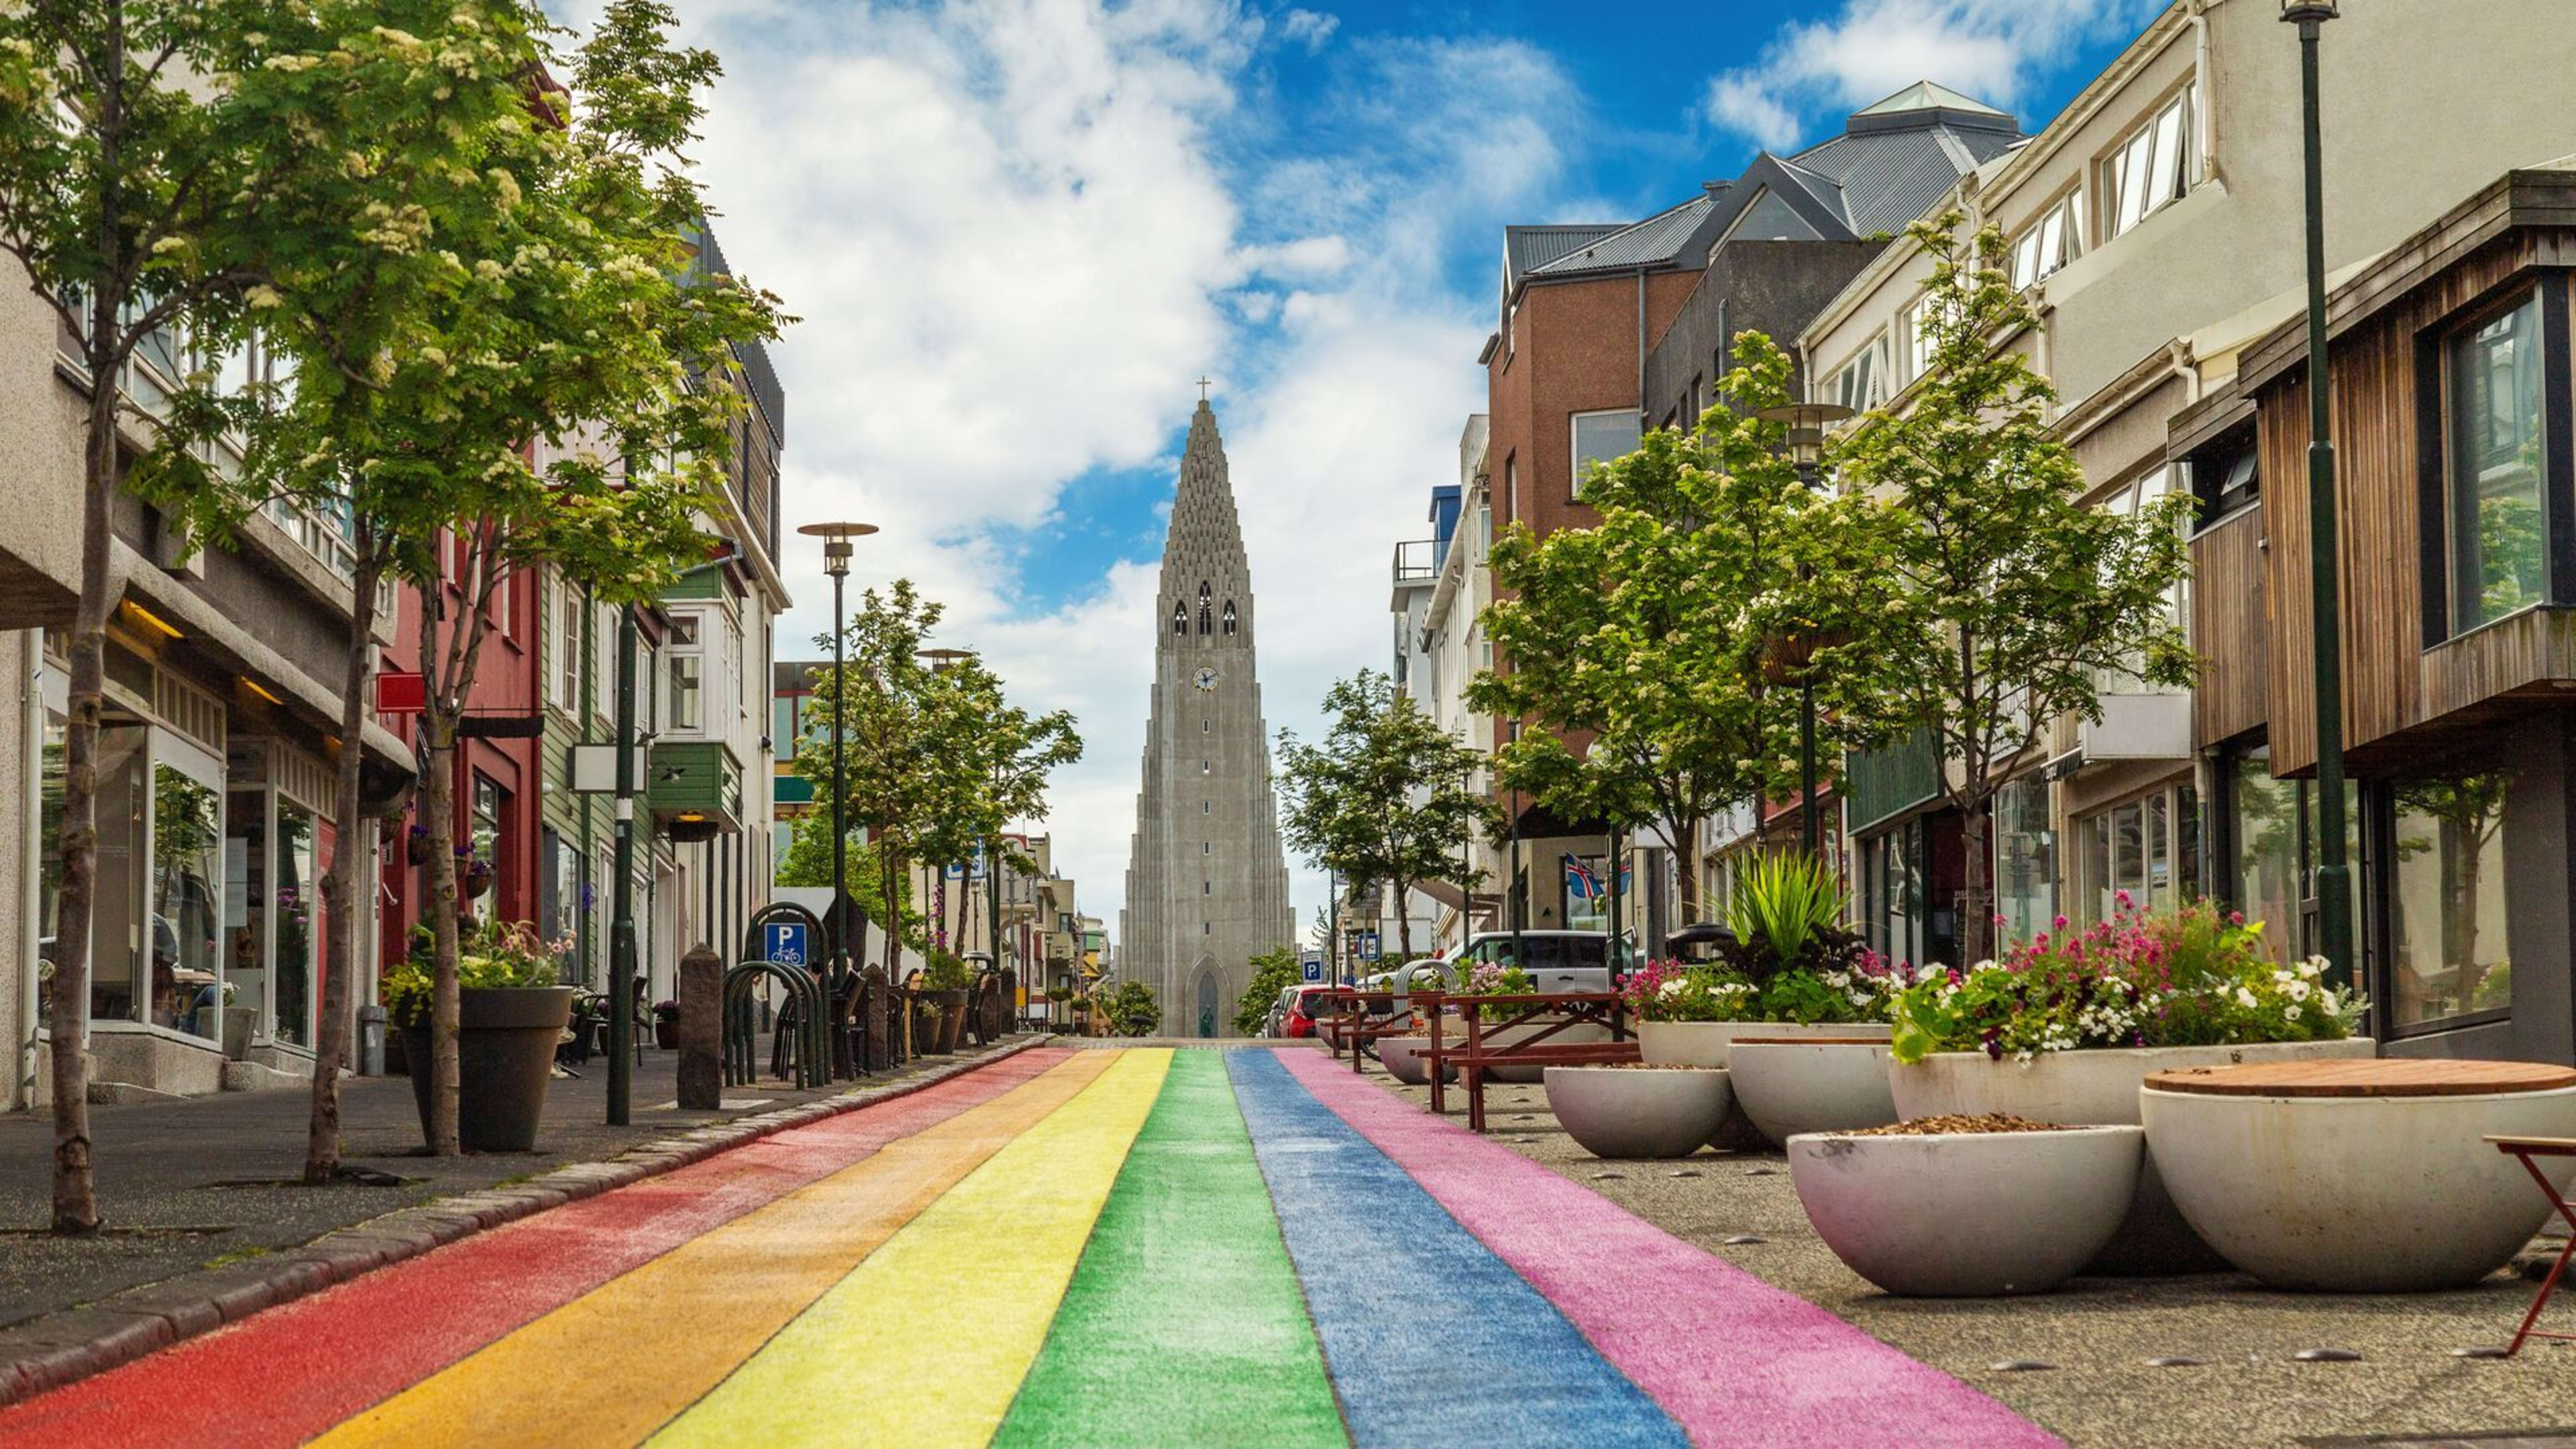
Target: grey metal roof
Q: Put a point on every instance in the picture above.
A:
(1650, 242)
(760, 378)
(1527, 248)
(1884, 179)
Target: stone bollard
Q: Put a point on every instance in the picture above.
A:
(872, 1009)
(1011, 1000)
(701, 1031)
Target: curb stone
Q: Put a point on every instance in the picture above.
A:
(47, 1353)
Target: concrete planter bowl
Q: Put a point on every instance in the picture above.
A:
(1709, 1043)
(1402, 1058)
(2357, 1194)
(1970, 1214)
(2094, 1087)
(1814, 1084)
(1637, 1111)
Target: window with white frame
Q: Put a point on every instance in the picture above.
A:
(1861, 383)
(2050, 242)
(2151, 168)
(2142, 494)
(684, 661)
(1600, 437)
(567, 645)
(1913, 342)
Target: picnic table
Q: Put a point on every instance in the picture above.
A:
(1361, 1017)
(1545, 1015)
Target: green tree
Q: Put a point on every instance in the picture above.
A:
(1998, 602)
(161, 161)
(995, 773)
(1130, 1009)
(518, 368)
(1384, 798)
(1272, 973)
(808, 862)
(1647, 646)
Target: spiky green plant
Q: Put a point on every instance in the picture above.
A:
(1782, 908)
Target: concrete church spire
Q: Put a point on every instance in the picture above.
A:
(1207, 886)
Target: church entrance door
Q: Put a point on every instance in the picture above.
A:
(1207, 1001)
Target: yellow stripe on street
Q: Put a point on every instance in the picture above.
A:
(958, 1302)
(616, 1364)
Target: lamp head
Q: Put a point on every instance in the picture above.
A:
(1806, 424)
(2296, 11)
(836, 543)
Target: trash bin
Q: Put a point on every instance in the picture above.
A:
(371, 1040)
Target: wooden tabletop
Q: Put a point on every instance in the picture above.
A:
(1810, 1041)
(2366, 1077)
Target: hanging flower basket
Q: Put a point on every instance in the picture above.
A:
(416, 846)
(477, 880)
(1786, 655)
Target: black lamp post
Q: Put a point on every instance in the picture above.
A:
(1513, 884)
(836, 562)
(2334, 873)
(1806, 423)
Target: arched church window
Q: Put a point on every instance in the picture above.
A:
(1229, 616)
(1180, 617)
(1206, 620)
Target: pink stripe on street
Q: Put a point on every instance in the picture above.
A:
(1731, 1358)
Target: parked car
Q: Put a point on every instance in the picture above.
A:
(1557, 960)
(1302, 1009)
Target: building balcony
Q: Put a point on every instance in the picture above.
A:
(694, 789)
(1417, 561)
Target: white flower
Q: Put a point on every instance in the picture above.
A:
(2290, 1013)
(2245, 998)
(2300, 990)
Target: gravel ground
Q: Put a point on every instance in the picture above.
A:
(2097, 1334)
(196, 1183)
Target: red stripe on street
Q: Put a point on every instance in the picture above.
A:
(283, 1376)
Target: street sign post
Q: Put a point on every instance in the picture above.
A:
(786, 943)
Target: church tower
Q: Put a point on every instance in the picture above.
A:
(1207, 887)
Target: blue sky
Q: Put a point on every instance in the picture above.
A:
(1017, 230)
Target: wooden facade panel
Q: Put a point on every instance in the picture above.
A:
(2231, 628)
(2378, 492)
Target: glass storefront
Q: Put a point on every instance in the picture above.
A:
(1891, 872)
(2263, 838)
(2146, 849)
(187, 905)
(299, 924)
(2446, 895)
(2025, 844)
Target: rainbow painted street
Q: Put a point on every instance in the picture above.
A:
(1069, 1247)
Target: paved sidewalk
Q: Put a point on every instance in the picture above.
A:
(211, 1181)
(2232, 1374)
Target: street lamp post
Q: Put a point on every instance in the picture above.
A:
(1806, 423)
(2334, 873)
(1520, 953)
(836, 562)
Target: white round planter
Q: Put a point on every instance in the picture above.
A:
(1402, 1058)
(1825, 1084)
(1970, 1214)
(2358, 1194)
(1637, 1112)
(2096, 1086)
(1707, 1044)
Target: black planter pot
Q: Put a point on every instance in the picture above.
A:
(952, 1017)
(505, 1052)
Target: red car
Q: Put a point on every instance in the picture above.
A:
(1301, 1010)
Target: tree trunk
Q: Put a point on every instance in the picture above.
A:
(1403, 922)
(894, 913)
(438, 823)
(1976, 913)
(75, 1192)
(1686, 871)
(331, 1040)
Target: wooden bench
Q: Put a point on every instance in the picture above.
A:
(1550, 1013)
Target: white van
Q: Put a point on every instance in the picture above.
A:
(1557, 960)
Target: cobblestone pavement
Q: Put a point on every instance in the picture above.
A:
(2099, 1334)
(1124, 1246)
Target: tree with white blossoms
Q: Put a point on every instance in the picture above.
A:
(1999, 602)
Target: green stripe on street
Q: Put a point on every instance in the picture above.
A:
(1183, 1324)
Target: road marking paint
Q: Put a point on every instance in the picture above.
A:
(1734, 1359)
(616, 1364)
(964, 1292)
(1420, 1322)
(1184, 1323)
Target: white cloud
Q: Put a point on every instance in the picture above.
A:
(1870, 49)
(1017, 229)
(1309, 28)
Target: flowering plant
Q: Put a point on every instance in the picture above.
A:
(1857, 989)
(2187, 977)
(1494, 979)
(497, 954)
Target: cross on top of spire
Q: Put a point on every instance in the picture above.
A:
(1203, 386)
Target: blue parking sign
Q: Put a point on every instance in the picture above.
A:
(1314, 969)
(785, 943)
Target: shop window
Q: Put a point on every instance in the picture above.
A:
(187, 903)
(299, 923)
(2147, 849)
(2025, 859)
(2497, 475)
(125, 982)
(2446, 899)
(2263, 830)
(1892, 866)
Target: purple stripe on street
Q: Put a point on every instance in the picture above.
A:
(1734, 1360)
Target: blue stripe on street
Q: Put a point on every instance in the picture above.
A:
(1430, 1337)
